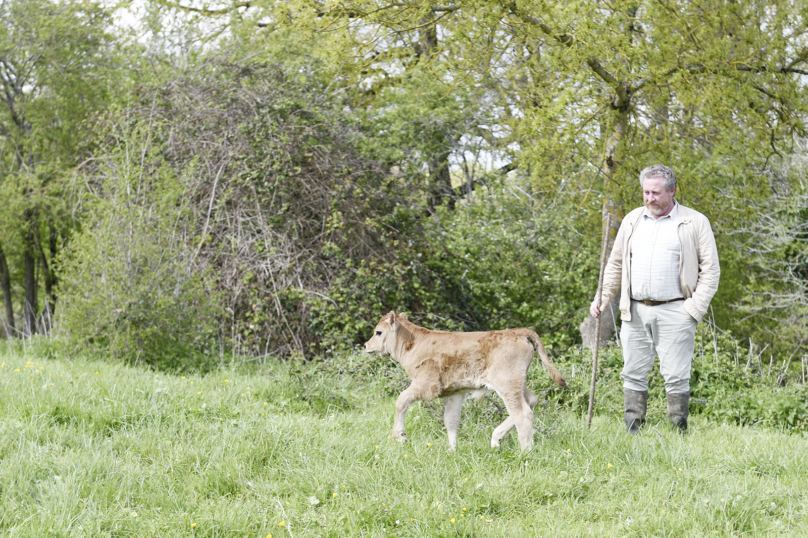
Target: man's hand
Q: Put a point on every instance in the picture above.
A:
(594, 310)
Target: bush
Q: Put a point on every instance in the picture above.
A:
(516, 263)
(131, 285)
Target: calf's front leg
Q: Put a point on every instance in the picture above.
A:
(404, 401)
(423, 388)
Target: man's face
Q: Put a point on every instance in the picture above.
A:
(656, 197)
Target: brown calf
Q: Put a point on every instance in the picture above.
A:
(451, 365)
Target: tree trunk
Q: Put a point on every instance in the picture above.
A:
(29, 307)
(440, 186)
(5, 287)
(50, 278)
(612, 215)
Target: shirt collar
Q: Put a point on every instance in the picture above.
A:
(673, 214)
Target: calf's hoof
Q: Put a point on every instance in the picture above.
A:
(400, 437)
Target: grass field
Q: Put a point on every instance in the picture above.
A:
(94, 449)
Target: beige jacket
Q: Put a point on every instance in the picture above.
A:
(699, 270)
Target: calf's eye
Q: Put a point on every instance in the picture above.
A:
(378, 333)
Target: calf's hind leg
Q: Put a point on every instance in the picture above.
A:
(522, 415)
(508, 423)
(451, 417)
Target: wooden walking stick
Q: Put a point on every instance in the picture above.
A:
(597, 321)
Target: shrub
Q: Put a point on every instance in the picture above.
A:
(131, 285)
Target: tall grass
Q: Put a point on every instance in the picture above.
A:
(93, 449)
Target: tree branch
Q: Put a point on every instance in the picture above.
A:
(622, 90)
(205, 11)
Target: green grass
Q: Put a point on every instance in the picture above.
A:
(95, 449)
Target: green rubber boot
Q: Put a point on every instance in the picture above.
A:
(636, 405)
(679, 409)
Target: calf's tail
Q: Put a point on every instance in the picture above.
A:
(539, 346)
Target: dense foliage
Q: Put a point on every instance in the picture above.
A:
(268, 180)
(262, 216)
(59, 63)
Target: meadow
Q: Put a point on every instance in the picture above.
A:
(90, 448)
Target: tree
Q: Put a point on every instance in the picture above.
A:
(433, 126)
(52, 62)
(595, 92)
(584, 95)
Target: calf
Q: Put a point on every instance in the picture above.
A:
(451, 365)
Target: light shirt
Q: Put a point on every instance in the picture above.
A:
(655, 254)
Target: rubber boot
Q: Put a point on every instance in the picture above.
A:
(678, 410)
(636, 404)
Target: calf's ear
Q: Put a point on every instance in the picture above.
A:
(393, 320)
(403, 315)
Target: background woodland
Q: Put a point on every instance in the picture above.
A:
(183, 182)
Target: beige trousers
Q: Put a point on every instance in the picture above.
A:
(667, 331)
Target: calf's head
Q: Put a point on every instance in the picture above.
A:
(383, 341)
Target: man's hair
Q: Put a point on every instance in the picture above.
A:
(662, 172)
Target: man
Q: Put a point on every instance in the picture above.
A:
(665, 262)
